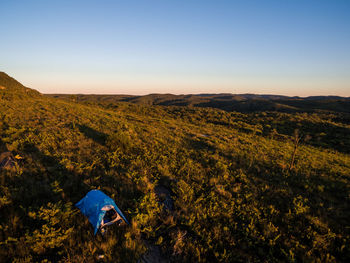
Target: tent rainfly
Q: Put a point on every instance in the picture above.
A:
(100, 209)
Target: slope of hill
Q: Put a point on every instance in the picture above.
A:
(242, 189)
(227, 102)
(11, 88)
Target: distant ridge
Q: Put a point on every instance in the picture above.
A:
(226, 101)
(11, 88)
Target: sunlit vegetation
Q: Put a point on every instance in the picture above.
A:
(238, 194)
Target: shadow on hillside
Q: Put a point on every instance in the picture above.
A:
(73, 185)
(320, 134)
(45, 179)
(130, 99)
(337, 105)
(199, 144)
(324, 194)
(299, 197)
(3, 147)
(93, 134)
(325, 135)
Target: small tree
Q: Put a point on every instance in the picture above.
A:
(296, 140)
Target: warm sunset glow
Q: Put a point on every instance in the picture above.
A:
(292, 48)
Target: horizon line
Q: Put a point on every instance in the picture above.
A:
(196, 94)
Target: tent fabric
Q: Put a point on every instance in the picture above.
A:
(93, 206)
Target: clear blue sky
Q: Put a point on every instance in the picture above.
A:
(292, 47)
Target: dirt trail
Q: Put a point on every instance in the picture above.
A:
(154, 254)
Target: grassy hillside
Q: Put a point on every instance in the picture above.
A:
(237, 193)
(12, 89)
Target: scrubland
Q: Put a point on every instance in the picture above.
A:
(245, 187)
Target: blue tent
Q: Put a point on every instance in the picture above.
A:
(95, 205)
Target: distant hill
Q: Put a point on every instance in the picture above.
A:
(227, 102)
